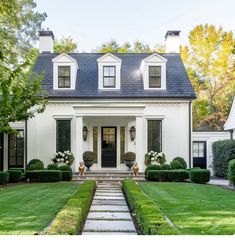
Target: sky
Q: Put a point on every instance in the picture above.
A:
(93, 22)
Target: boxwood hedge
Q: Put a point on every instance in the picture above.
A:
(168, 175)
(15, 176)
(148, 214)
(70, 219)
(223, 152)
(231, 172)
(4, 177)
(43, 175)
(199, 175)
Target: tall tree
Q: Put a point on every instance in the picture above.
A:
(210, 63)
(21, 95)
(139, 47)
(67, 45)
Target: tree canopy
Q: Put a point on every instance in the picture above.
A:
(210, 63)
(21, 95)
(67, 45)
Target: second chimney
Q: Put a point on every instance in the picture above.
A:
(46, 41)
(172, 41)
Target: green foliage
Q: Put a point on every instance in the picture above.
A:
(4, 177)
(70, 219)
(66, 175)
(165, 167)
(88, 156)
(52, 166)
(199, 175)
(43, 175)
(167, 175)
(35, 164)
(231, 172)
(211, 67)
(18, 32)
(129, 156)
(65, 168)
(148, 214)
(152, 167)
(66, 45)
(178, 163)
(14, 176)
(21, 169)
(223, 152)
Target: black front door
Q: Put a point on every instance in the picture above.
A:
(199, 154)
(109, 156)
(1, 151)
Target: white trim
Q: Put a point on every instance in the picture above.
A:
(230, 123)
(109, 60)
(154, 60)
(65, 60)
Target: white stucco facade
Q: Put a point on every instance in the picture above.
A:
(174, 114)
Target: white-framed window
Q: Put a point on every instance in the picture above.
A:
(64, 72)
(109, 72)
(154, 72)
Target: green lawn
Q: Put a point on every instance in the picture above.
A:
(195, 208)
(29, 208)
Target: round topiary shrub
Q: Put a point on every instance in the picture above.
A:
(129, 159)
(35, 164)
(231, 171)
(65, 168)
(88, 158)
(52, 166)
(178, 163)
(166, 167)
(152, 167)
(199, 175)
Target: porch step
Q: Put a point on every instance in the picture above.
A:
(105, 179)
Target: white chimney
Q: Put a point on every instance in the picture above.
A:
(46, 41)
(172, 41)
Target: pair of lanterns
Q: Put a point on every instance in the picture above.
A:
(132, 133)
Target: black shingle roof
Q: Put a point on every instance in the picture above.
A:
(178, 83)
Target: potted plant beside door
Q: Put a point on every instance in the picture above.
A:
(88, 158)
(129, 159)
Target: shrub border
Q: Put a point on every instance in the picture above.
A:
(148, 213)
(70, 219)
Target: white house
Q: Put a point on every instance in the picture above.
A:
(230, 123)
(94, 100)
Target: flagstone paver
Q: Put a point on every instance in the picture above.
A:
(109, 213)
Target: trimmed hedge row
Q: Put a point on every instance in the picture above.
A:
(15, 175)
(70, 219)
(44, 176)
(223, 152)
(199, 175)
(167, 175)
(231, 172)
(66, 176)
(148, 214)
(4, 177)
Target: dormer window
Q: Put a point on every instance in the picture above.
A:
(154, 76)
(64, 77)
(64, 72)
(153, 69)
(109, 72)
(109, 76)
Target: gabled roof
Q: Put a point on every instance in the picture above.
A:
(230, 123)
(178, 83)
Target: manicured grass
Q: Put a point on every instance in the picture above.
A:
(29, 208)
(195, 208)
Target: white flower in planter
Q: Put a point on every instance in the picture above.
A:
(152, 158)
(67, 162)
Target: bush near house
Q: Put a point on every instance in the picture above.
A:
(52, 166)
(4, 177)
(148, 214)
(179, 175)
(65, 168)
(231, 172)
(178, 163)
(15, 176)
(66, 176)
(199, 175)
(21, 169)
(44, 176)
(223, 152)
(70, 219)
(166, 167)
(35, 164)
(152, 167)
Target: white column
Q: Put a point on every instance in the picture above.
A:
(140, 143)
(78, 142)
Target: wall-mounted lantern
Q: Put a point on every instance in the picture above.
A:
(84, 133)
(132, 133)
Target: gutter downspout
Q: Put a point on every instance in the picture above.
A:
(26, 144)
(190, 133)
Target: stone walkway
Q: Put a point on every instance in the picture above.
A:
(109, 213)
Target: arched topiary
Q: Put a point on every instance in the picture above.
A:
(35, 164)
(178, 163)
